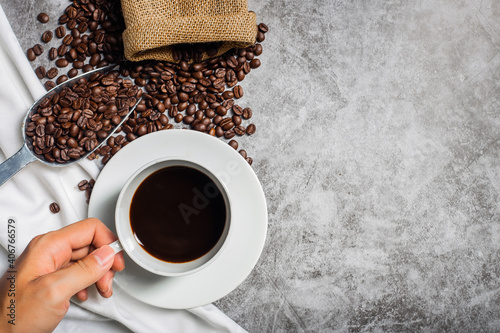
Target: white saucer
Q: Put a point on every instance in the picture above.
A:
(248, 208)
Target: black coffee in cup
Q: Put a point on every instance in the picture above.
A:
(177, 214)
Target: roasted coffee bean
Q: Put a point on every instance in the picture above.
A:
(250, 129)
(239, 130)
(40, 72)
(94, 60)
(255, 63)
(263, 27)
(61, 50)
(234, 144)
(47, 36)
(43, 18)
(38, 49)
(31, 55)
(67, 40)
(243, 153)
(237, 110)
(236, 120)
(87, 68)
(82, 48)
(249, 160)
(49, 85)
(54, 208)
(72, 73)
(260, 36)
(247, 113)
(221, 110)
(61, 79)
(62, 62)
(78, 64)
(83, 185)
(60, 31)
(229, 134)
(52, 53)
(52, 73)
(219, 131)
(238, 91)
(72, 54)
(258, 49)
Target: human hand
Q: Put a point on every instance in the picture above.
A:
(54, 267)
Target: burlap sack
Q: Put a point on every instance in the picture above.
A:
(153, 26)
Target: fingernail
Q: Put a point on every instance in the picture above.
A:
(104, 255)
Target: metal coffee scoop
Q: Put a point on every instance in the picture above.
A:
(26, 155)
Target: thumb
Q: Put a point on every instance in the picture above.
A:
(86, 271)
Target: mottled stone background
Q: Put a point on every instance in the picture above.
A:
(377, 144)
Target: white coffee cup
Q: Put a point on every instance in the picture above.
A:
(128, 242)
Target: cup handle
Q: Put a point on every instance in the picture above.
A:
(117, 246)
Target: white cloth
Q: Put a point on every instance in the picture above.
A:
(26, 199)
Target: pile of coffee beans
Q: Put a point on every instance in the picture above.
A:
(194, 94)
(89, 36)
(73, 122)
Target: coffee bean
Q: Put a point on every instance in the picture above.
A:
(243, 153)
(52, 73)
(49, 85)
(94, 60)
(258, 49)
(83, 185)
(82, 48)
(40, 72)
(260, 37)
(54, 208)
(38, 49)
(31, 55)
(255, 63)
(238, 91)
(78, 64)
(72, 73)
(247, 113)
(60, 31)
(249, 160)
(61, 79)
(250, 129)
(87, 68)
(43, 18)
(229, 134)
(239, 130)
(52, 53)
(47, 36)
(62, 62)
(263, 28)
(67, 40)
(234, 144)
(73, 55)
(237, 110)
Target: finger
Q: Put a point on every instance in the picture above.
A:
(119, 263)
(84, 272)
(86, 232)
(81, 253)
(105, 284)
(61, 243)
(83, 295)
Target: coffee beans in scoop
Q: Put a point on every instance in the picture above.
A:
(71, 123)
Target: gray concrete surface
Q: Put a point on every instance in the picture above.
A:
(378, 149)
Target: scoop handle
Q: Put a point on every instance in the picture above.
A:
(15, 163)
